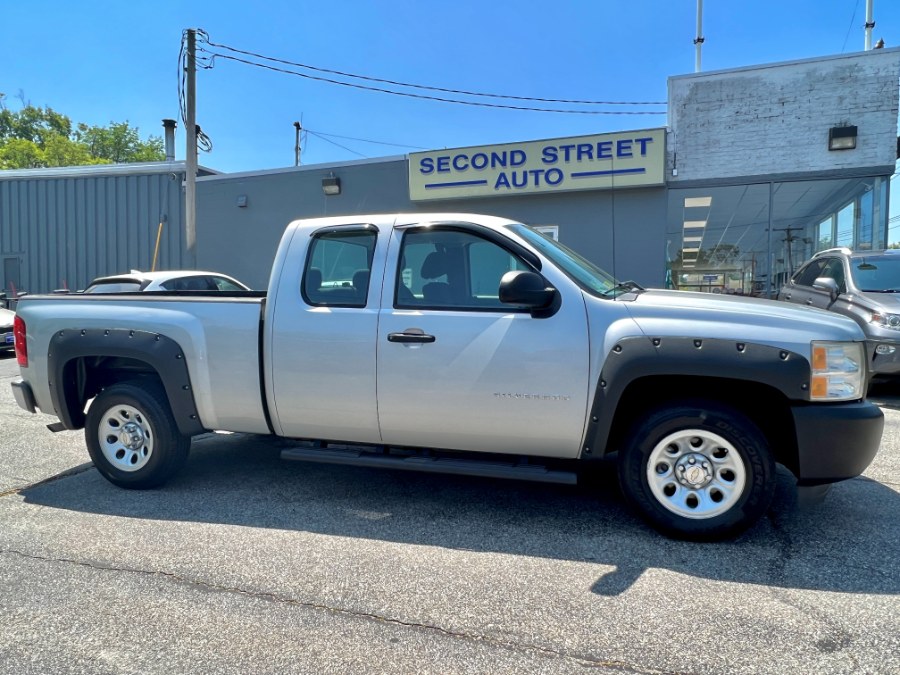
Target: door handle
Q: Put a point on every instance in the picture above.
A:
(809, 302)
(410, 338)
(787, 297)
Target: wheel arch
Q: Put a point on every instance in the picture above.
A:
(81, 363)
(764, 405)
(760, 381)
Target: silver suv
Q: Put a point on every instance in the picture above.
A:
(864, 285)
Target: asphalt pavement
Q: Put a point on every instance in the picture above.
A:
(247, 564)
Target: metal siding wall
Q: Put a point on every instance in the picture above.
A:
(241, 241)
(70, 230)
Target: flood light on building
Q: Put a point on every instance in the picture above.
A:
(842, 138)
(331, 185)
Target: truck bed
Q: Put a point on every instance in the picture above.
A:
(218, 331)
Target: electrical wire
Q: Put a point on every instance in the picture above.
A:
(427, 97)
(366, 140)
(204, 142)
(847, 37)
(421, 86)
(180, 75)
(337, 144)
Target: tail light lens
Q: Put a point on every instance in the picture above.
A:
(21, 346)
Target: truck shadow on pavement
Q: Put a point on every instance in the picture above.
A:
(850, 543)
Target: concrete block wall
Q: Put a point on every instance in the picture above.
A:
(774, 119)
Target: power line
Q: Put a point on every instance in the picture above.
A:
(855, 7)
(366, 140)
(337, 144)
(422, 86)
(426, 97)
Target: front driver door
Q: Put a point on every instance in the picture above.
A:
(458, 369)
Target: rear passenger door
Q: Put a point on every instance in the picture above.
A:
(323, 339)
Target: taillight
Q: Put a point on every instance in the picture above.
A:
(21, 347)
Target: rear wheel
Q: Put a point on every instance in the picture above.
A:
(132, 436)
(697, 471)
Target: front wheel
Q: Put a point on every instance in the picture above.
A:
(697, 471)
(132, 436)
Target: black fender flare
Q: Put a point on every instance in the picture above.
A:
(638, 357)
(159, 352)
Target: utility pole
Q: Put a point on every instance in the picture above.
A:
(789, 239)
(698, 41)
(190, 192)
(297, 127)
(870, 24)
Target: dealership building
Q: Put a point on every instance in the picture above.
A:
(757, 169)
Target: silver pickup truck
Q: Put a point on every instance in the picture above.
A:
(463, 344)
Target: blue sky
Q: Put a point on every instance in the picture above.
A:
(113, 61)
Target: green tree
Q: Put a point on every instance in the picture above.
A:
(63, 151)
(35, 137)
(118, 143)
(19, 153)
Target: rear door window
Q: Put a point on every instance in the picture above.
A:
(338, 268)
(224, 284)
(193, 283)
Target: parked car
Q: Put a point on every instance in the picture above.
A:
(172, 280)
(864, 285)
(464, 344)
(6, 329)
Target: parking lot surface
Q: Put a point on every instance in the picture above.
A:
(247, 564)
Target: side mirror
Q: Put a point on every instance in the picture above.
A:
(828, 285)
(527, 289)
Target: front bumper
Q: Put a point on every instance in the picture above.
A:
(836, 441)
(23, 395)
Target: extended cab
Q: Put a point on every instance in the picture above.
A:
(463, 344)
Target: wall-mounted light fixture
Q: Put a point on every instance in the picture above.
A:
(331, 185)
(842, 138)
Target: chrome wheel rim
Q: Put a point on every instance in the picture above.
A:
(696, 474)
(126, 438)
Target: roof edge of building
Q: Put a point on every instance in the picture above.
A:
(101, 170)
(306, 167)
(778, 64)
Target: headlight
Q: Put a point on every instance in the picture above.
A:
(838, 371)
(891, 321)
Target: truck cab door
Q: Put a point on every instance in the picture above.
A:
(323, 332)
(457, 368)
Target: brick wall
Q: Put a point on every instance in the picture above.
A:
(774, 119)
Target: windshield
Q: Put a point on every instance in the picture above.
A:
(877, 273)
(587, 275)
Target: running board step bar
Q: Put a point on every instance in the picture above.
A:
(447, 465)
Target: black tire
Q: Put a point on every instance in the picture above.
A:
(725, 489)
(153, 449)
